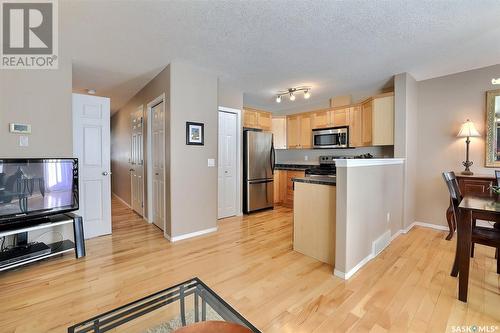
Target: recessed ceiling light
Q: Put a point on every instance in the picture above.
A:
(91, 91)
(495, 81)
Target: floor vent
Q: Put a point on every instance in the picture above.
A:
(381, 243)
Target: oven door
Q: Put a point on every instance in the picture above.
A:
(330, 138)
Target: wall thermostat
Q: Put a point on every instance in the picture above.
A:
(20, 128)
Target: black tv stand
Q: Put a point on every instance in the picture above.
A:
(19, 257)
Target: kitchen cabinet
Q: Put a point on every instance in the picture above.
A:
(258, 119)
(265, 121)
(287, 186)
(340, 117)
(279, 132)
(355, 126)
(292, 131)
(383, 121)
(305, 131)
(299, 131)
(366, 122)
(277, 191)
(321, 119)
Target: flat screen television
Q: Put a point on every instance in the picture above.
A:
(31, 189)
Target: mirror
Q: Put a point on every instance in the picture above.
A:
(493, 128)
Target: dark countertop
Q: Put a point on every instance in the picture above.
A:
(320, 180)
(302, 167)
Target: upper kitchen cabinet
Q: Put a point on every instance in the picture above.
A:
(321, 119)
(340, 116)
(293, 131)
(366, 122)
(383, 120)
(355, 126)
(299, 131)
(253, 118)
(306, 130)
(279, 132)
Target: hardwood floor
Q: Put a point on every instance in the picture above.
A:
(250, 263)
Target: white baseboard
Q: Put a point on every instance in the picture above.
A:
(121, 200)
(382, 240)
(356, 268)
(190, 235)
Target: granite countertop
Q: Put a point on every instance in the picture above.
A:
(320, 180)
(294, 166)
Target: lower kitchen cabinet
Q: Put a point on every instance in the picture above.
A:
(283, 186)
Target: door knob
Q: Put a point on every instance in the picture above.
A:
(105, 173)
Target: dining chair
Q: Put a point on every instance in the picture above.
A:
(480, 235)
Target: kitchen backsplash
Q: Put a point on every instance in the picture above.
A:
(299, 155)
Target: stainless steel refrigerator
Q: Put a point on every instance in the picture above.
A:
(258, 170)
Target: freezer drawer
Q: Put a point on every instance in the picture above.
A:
(260, 194)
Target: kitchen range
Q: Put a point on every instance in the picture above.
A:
(327, 167)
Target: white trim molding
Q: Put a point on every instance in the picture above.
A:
(364, 261)
(121, 200)
(360, 162)
(190, 235)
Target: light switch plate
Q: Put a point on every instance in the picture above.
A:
(23, 141)
(211, 162)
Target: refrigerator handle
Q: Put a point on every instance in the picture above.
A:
(272, 157)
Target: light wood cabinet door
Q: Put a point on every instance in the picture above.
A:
(279, 132)
(340, 117)
(293, 131)
(290, 174)
(366, 119)
(321, 119)
(355, 126)
(265, 121)
(305, 131)
(277, 187)
(250, 119)
(383, 121)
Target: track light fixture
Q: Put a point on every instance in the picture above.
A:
(291, 93)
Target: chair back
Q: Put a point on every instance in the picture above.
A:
(453, 188)
(497, 176)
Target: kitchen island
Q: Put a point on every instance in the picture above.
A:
(349, 219)
(314, 216)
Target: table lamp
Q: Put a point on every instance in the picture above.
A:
(466, 131)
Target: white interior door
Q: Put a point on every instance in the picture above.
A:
(91, 145)
(158, 163)
(137, 161)
(228, 160)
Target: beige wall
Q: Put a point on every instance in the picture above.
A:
(229, 96)
(121, 136)
(193, 184)
(365, 195)
(41, 98)
(443, 104)
(405, 138)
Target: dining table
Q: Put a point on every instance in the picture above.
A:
(484, 207)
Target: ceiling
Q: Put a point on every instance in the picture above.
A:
(265, 46)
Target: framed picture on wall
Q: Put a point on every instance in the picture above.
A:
(195, 133)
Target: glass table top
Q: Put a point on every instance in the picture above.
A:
(179, 306)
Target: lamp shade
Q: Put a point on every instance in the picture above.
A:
(468, 130)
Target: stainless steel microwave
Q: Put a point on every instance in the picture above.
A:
(335, 137)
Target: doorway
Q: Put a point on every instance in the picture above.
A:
(137, 161)
(156, 162)
(92, 145)
(229, 173)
